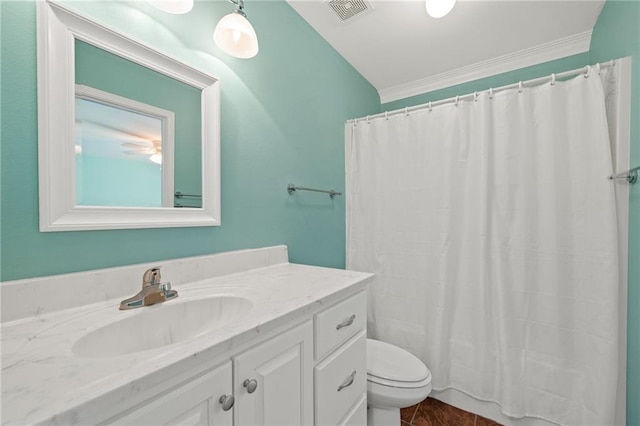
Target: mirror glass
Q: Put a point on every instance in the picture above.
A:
(128, 137)
(118, 153)
(127, 114)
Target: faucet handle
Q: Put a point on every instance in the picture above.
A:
(164, 288)
(151, 277)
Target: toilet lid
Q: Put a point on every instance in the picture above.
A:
(389, 362)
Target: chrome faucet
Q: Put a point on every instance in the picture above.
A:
(153, 291)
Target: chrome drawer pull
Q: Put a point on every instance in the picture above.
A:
(347, 322)
(227, 402)
(347, 382)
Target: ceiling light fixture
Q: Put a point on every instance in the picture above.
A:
(156, 158)
(234, 34)
(439, 8)
(173, 6)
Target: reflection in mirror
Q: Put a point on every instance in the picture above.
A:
(119, 146)
(135, 87)
(98, 88)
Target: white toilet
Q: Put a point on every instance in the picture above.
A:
(395, 379)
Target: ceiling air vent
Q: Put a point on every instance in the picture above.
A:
(348, 9)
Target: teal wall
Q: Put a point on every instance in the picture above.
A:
(118, 182)
(616, 35)
(282, 115)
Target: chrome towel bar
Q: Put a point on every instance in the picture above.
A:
(291, 189)
(179, 194)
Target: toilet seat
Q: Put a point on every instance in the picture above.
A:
(389, 365)
(403, 385)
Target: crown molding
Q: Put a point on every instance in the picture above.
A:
(572, 45)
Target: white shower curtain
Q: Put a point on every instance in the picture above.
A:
(491, 228)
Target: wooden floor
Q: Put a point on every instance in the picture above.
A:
(432, 412)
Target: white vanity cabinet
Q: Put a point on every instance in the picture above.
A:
(311, 374)
(294, 333)
(273, 384)
(315, 373)
(340, 374)
(203, 401)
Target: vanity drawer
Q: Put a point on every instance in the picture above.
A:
(341, 380)
(338, 323)
(357, 416)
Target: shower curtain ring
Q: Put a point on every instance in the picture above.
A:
(457, 98)
(475, 96)
(430, 107)
(490, 92)
(520, 87)
(587, 72)
(553, 79)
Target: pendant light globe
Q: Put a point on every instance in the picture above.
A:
(439, 8)
(235, 36)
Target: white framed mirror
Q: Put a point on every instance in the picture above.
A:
(80, 189)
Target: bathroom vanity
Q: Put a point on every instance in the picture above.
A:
(251, 340)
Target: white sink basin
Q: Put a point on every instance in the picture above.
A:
(160, 325)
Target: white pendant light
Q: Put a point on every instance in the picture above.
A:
(234, 34)
(439, 8)
(173, 6)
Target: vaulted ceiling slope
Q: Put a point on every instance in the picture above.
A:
(402, 51)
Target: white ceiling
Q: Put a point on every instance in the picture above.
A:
(402, 51)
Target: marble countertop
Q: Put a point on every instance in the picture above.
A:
(43, 382)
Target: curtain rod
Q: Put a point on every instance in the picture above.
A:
(521, 84)
(630, 175)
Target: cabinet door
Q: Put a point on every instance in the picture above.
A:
(195, 403)
(281, 370)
